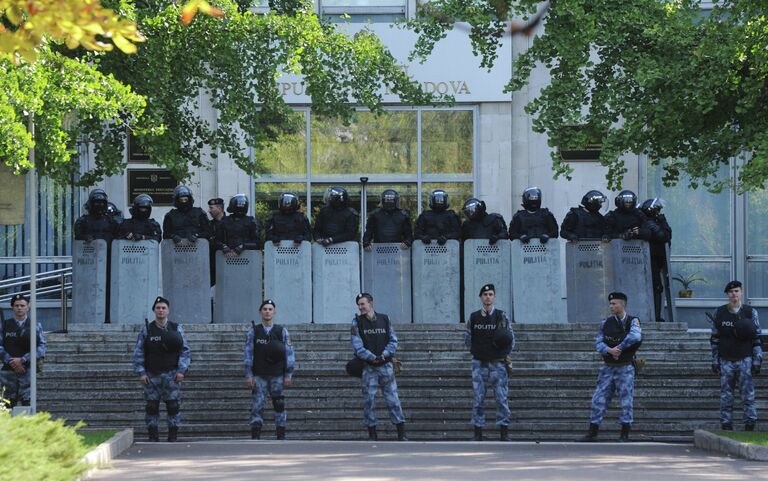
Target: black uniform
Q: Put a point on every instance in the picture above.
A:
(337, 223)
(142, 229)
(238, 233)
(526, 224)
(488, 226)
(191, 224)
(96, 226)
(579, 223)
(388, 226)
(288, 226)
(618, 222)
(440, 225)
(661, 235)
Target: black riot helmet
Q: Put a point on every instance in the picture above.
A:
(179, 194)
(288, 202)
(474, 209)
(113, 211)
(652, 207)
(97, 202)
(337, 197)
(626, 200)
(532, 199)
(593, 200)
(390, 200)
(238, 205)
(438, 200)
(142, 207)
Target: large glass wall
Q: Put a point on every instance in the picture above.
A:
(413, 151)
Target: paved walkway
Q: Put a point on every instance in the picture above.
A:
(389, 461)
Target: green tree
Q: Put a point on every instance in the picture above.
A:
(658, 77)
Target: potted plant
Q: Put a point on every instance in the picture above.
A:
(686, 281)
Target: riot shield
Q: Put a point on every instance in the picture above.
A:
(536, 282)
(436, 282)
(135, 280)
(238, 287)
(187, 280)
(288, 281)
(588, 273)
(632, 276)
(487, 264)
(89, 282)
(335, 282)
(387, 277)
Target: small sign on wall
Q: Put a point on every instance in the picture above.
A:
(157, 183)
(13, 197)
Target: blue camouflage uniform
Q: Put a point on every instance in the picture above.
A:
(492, 372)
(162, 385)
(271, 386)
(378, 376)
(17, 386)
(737, 370)
(615, 376)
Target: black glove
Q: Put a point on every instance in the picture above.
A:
(573, 238)
(176, 238)
(276, 242)
(298, 240)
(366, 245)
(525, 239)
(493, 239)
(239, 249)
(755, 369)
(88, 239)
(606, 239)
(441, 240)
(225, 249)
(544, 238)
(628, 234)
(716, 368)
(426, 240)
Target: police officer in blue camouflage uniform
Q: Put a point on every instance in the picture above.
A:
(161, 359)
(736, 355)
(490, 339)
(617, 341)
(15, 343)
(269, 363)
(374, 341)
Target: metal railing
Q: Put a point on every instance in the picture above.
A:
(57, 281)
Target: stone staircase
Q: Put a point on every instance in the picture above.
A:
(88, 377)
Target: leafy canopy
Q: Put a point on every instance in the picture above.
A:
(687, 87)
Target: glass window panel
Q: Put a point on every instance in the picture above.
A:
(757, 223)
(716, 275)
(375, 18)
(371, 144)
(363, 3)
(267, 193)
(408, 197)
(446, 141)
(701, 221)
(458, 193)
(757, 279)
(287, 155)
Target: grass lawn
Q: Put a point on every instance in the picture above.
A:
(757, 437)
(91, 439)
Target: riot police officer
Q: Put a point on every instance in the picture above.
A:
(438, 223)
(626, 221)
(532, 220)
(287, 223)
(185, 221)
(238, 231)
(216, 211)
(389, 223)
(736, 355)
(115, 213)
(585, 221)
(269, 364)
(97, 223)
(661, 236)
(140, 226)
(336, 222)
(482, 225)
(15, 343)
(617, 341)
(490, 339)
(374, 341)
(161, 360)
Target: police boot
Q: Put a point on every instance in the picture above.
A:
(591, 436)
(372, 436)
(173, 432)
(624, 436)
(478, 434)
(503, 433)
(256, 431)
(750, 426)
(154, 436)
(280, 432)
(401, 432)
